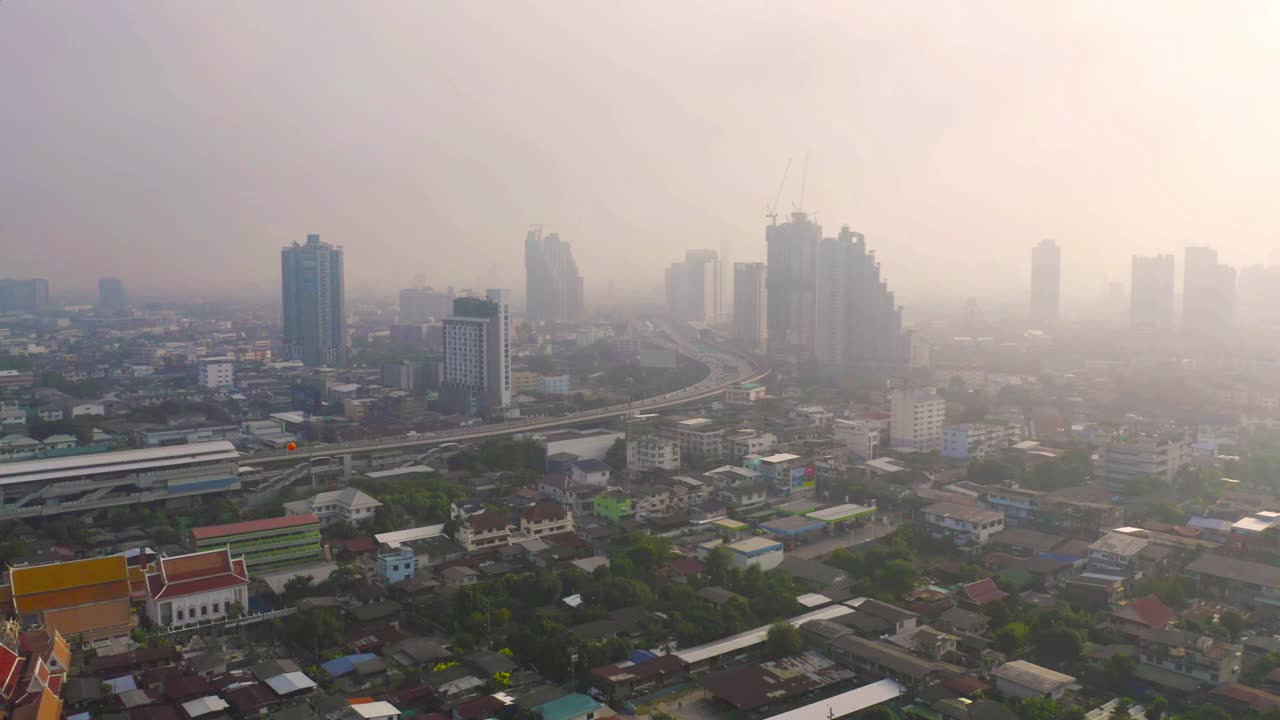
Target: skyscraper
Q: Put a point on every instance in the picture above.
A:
(29, 295)
(1151, 292)
(750, 309)
(423, 304)
(111, 293)
(693, 287)
(792, 262)
(553, 285)
(314, 321)
(858, 324)
(1208, 291)
(477, 355)
(1046, 281)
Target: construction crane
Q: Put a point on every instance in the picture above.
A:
(772, 212)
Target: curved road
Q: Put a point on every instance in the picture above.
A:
(715, 383)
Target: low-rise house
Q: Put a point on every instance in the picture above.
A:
(546, 518)
(591, 472)
(965, 525)
(1142, 615)
(651, 500)
(980, 593)
(900, 621)
(626, 680)
(1201, 657)
(1022, 679)
(744, 496)
(1117, 554)
(1238, 581)
(763, 553)
(483, 531)
(348, 505)
(572, 707)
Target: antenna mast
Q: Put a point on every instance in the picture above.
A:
(804, 179)
(772, 214)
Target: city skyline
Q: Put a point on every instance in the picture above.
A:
(912, 138)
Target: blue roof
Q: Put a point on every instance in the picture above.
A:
(338, 667)
(568, 707)
(1207, 523)
(1062, 557)
(592, 465)
(641, 656)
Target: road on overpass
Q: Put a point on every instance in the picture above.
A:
(725, 370)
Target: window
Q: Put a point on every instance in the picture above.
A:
(204, 610)
(216, 608)
(179, 613)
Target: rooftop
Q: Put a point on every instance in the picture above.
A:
(254, 526)
(118, 461)
(1032, 676)
(963, 513)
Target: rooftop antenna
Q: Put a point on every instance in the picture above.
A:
(772, 214)
(804, 179)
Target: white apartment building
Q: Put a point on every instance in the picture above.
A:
(546, 518)
(653, 453)
(964, 524)
(745, 393)
(700, 438)
(216, 372)
(972, 441)
(751, 442)
(337, 506)
(477, 354)
(1143, 456)
(860, 437)
(916, 417)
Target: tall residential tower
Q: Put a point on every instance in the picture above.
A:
(693, 287)
(477, 355)
(792, 262)
(314, 320)
(1208, 291)
(750, 310)
(111, 293)
(1046, 282)
(858, 327)
(553, 285)
(1151, 292)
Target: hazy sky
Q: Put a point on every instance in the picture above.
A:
(178, 145)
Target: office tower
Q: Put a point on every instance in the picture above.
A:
(858, 326)
(553, 285)
(750, 311)
(27, 295)
(916, 417)
(111, 293)
(791, 284)
(1046, 282)
(477, 355)
(314, 322)
(423, 304)
(1208, 291)
(1259, 293)
(1151, 292)
(693, 287)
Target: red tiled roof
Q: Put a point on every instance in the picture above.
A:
(545, 512)
(479, 708)
(196, 565)
(486, 522)
(186, 687)
(563, 539)
(966, 685)
(253, 526)
(359, 544)
(687, 566)
(1149, 611)
(248, 700)
(159, 589)
(1256, 699)
(10, 671)
(984, 591)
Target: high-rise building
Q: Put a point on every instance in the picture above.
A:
(1259, 294)
(750, 309)
(916, 418)
(111, 294)
(858, 326)
(553, 285)
(1208, 291)
(423, 304)
(477, 355)
(29, 295)
(1151, 292)
(1046, 281)
(314, 321)
(792, 282)
(693, 287)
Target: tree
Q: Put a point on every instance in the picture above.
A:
(1233, 622)
(1012, 637)
(616, 457)
(1157, 708)
(297, 587)
(1119, 671)
(717, 565)
(879, 712)
(1038, 709)
(784, 639)
(1121, 710)
(1060, 642)
(897, 577)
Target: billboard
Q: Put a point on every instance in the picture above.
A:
(803, 477)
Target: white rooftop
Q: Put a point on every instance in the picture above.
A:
(749, 638)
(840, 512)
(780, 458)
(846, 703)
(813, 600)
(290, 682)
(398, 537)
(119, 461)
(379, 709)
(204, 706)
(393, 472)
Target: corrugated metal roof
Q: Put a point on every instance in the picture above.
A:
(112, 462)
